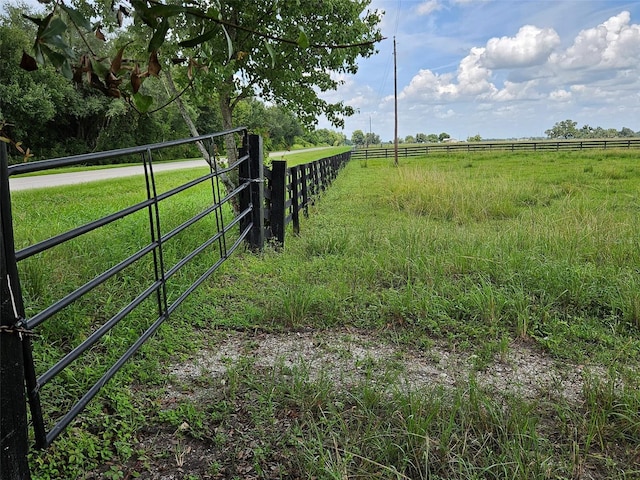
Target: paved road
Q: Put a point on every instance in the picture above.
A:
(71, 178)
(58, 179)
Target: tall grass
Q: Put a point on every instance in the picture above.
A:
(473, 251)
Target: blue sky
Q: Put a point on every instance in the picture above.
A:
(499, 68)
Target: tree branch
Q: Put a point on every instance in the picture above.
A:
(200, 14)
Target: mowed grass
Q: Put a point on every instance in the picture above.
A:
(476, 252)
(468, 249)
(299, 157)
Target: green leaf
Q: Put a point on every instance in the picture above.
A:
(66, 69)
(55, 29)
(77, 17)
(170, 10)
(37, 21)
(303, 40)
(57, 59)
(142, 102)
(43, 24)
(142, 11)
(192, 42)
(159, 35)
(229, 43)
(272, 54)
(39, 55)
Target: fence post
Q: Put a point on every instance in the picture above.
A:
(254, 171)
(295, 205)
(14, 443)
(278, 198)
(305, 189)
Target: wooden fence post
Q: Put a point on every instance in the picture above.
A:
(278, 199)
(295, 199)
(253, 170)
(305, 188)
(316, 180)
(14, 444)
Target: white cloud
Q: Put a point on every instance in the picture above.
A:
(613, 44)
(429, 6)
(601, 61)
(560, 95)
(530, 46)
(512, 91)
(464, 2)
(473, 78)
(516, 84)
(440, 112)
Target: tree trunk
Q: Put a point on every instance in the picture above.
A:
(229, 183)
(227, 124)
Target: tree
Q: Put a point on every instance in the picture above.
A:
(284, 73)
(372, 138)
(432, 138)
(626, 132)
(31, 105)
(421, 138)
(475, 138)
(245, 47)
(325, 136)
(564, 129)
(358, 138)
(585, 132)
(409, 139)
(443, 136)
(284, 127)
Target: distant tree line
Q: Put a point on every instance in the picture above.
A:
(361, 139)
(569, 129)
(427, 138)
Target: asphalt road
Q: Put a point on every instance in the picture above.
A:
(71, 178)
(59, 179)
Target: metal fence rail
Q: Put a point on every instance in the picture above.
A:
(524, 146)
(230, 231)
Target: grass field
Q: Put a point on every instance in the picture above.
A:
(476, 257)
(298, 158)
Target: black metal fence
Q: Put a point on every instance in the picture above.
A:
(226, 232)
(292, 189)
(520, 146)
(221, 220)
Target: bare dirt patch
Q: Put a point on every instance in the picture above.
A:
(345, 355)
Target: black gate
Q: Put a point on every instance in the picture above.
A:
(234, 206)
(228, 215)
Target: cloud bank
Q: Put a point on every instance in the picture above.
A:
(536, 66)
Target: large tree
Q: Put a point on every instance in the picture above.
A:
(564, 129)
(244, 62)
(41, 110)
(358, 138)
(286, 52)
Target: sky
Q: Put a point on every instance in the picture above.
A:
(498, 68)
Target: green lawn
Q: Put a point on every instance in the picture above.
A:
(475, 254)
(298, 158)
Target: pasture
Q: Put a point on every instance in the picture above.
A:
(473, 263)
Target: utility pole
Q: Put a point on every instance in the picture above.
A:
(395, 96)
